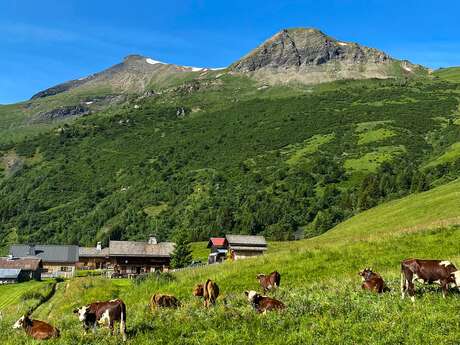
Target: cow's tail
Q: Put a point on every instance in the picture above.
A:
(277, 280)
(123, 321)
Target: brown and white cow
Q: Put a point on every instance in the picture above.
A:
(164, 301)
(209, 291)
(263, 304)
(103, 313)
(36, 329)
(439, 272)
(269, 282)
(372, 281)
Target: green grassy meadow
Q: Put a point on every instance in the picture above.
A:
(319, 285)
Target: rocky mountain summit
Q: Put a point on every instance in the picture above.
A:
(310, 56)
(302, 55)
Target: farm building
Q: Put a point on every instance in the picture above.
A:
(218, 246)
(30, 267)
(58, 260)
(93, 257)
(245, 246)
(131, 257)
(12, 275)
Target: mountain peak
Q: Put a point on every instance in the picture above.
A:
(310, 56)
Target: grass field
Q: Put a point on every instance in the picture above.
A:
(11, 294)
(319, 285)
(450, 74)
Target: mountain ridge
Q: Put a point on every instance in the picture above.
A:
(304, 55)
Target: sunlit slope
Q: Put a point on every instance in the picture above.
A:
(435, 208)
(450, 74)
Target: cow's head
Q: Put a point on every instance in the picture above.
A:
(366, 273)
(22, 322)
(260, 276)
(455, 279)
(82, 313)
(252, 296)
(198, 290)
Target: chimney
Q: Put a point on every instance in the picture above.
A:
(152, 240)
(99, 246)
(32, 250)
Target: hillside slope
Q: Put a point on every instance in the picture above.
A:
(229, 157)
(319, 285)
(302, 55)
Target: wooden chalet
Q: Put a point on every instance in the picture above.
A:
(218, 246)
(93, 257)
(58, 260)
(131, 257)
(245, 246)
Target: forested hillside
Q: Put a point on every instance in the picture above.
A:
(225, 154)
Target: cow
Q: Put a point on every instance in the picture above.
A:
(262, 304)
(103, 312)
(272, 281)
(372, 281)
(36, 329)
(441, 272)
(209, 291)
(162, 300)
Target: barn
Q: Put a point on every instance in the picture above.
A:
(93, 257)
(135, 257)
(29, 268)
(58, 260)
(218, 246)
(245, 246)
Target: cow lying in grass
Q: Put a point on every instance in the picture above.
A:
(103, 312)
(263, 304)
(269, 282)
(209, 291)
(164, 301)
(372, 281)
(36, 329)
(439, 272)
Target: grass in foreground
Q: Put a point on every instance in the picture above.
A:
(319, 285)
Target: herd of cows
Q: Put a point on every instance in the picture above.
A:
(440, 272)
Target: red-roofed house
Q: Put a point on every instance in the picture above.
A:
(218, 247)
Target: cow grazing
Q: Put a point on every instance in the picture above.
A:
(440, 272)
(36, 329)
(103, 312)
(209, 291)
(272, 281)
(263, 304)
(164, 301)
(372, 281)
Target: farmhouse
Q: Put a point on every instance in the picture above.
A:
(245, 246)
(58, 260)
(93, 257)
(131, 257)
(219, 250)
(15, 270)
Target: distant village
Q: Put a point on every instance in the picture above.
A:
(121, 259)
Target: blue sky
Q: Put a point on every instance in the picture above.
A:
(43, 43)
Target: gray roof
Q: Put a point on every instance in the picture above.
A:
(143, 249)
(28, 263)
(247, 248)
(9, 273)
(246, 240)
(93, 252)
(48, 253)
